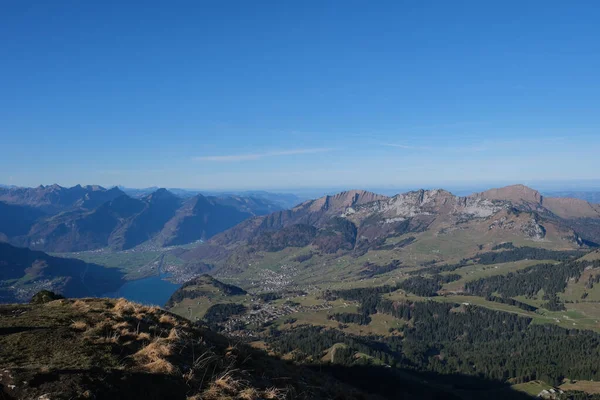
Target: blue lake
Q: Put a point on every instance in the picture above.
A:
(154, 290)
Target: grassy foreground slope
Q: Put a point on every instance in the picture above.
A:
(100, 348)
(111, 349)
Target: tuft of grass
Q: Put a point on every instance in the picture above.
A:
(157, 349)
(79, 325)
(167, 319)
(139, 315)
(249, 394)
(227, 383)
(152, 357)
(153, 310)
(101, 328)
(121, 325)
(112, 337)
(273, 394)
(123, 306)
(160, 366)
(173, 334)
(81, 305)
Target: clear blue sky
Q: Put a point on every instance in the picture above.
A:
(282, 94)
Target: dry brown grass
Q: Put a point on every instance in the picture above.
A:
(79, 325)
(167, 319)
(273, 394)
(227, 383)
(124, 307)
(81, 305)
(160, 366)
(143, 336)
(139, 315)
(126, 333)
(215, 393)
(153, 310)
(173, 334)
(249, 394)
(225, 387)
(112, 337)
(56, 303)
(152, 357)
(228, 387)
(101, 328)
(156, 349)
(121, 325)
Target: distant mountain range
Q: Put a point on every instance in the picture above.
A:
(421, 223)
(421, 209)
(283, 200)
(58, 219)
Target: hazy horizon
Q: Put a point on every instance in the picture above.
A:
(544, 187)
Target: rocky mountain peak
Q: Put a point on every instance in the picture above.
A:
(160, 195)
(340, 201)
(423, 197)
(514, 193)
(98, 188)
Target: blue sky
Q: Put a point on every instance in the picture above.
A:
(282, 94)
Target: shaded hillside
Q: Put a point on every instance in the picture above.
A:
(201, 218)
(313, 212)
(83, 230)
(159, 208)
(60, 219)
(113, 349)
(17, 219)
(23, 272)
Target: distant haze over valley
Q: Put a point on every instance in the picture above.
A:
(288, 196)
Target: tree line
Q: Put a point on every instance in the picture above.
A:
(551, 278)
(450, 338)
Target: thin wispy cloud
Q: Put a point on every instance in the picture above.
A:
(258, 156)
(466, 148)
(406, 147)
